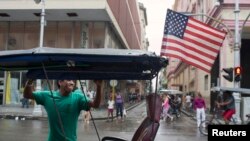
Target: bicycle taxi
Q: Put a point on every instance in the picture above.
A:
(215, 118)
(93, 64)
(176, 97)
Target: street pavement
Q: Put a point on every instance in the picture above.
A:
(180, 129)
(192, 114)
(17, 112)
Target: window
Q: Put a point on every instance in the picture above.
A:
(84, 35)
(206, 83)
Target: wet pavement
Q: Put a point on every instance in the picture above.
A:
(181, 129)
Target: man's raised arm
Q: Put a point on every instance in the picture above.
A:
(28, 89)
(97, 100)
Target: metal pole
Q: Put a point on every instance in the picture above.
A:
(42, 22)
(237, 59)
(216, 20)
(236, 43)
(37, 108)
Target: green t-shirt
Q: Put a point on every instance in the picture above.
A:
(69, 108)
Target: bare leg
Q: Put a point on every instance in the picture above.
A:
(112, 116)
(226, 121)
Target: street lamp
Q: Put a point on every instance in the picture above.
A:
(42, 21)
(37, 108)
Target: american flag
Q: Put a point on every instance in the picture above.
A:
(191, 41)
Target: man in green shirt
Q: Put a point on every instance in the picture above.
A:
(63, 107)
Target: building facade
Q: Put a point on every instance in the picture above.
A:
(219, 14)
(68, 24)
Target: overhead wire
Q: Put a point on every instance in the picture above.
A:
(54, 103)
(97, 133)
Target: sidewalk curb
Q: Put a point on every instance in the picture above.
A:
(22, 116)
(187, 113)
(127, 108)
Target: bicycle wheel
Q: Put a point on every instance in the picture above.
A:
(204, 127)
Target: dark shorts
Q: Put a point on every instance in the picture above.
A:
(110, 110)
(228, 114)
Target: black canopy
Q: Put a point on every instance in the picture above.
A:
(105, 63)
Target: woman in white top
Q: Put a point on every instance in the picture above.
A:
(111, 103)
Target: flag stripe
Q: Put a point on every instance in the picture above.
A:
(190, 40)
(189, 61)
(192, 44)
(205, 60)
(210, 30)
(204, 36)
(189, 54)
(201, 43)
(198, 60)
(175, 42)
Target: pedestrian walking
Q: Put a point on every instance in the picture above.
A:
(86, 114)
(119, 105)
(25, 102)
(176, 103)
(199, 107)
(86, 117)
(188, 103)
(166, 107)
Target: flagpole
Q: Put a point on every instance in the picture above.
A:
(228, 30)
(37, 108)
(216, 20)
